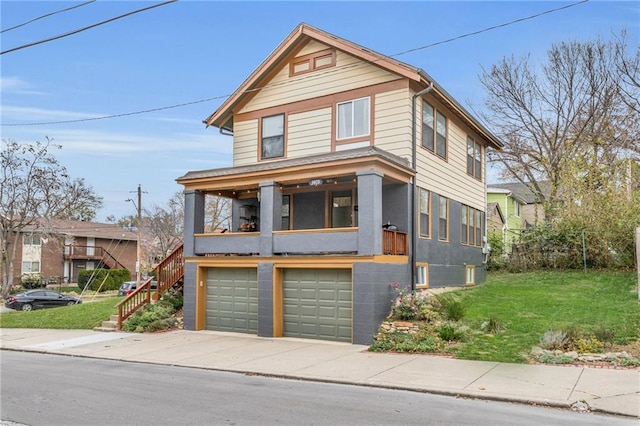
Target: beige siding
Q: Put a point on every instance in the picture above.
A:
(393, 122)
(449, 178)
(245, 143)
(312, 47)
(309, 133)
(349, 73)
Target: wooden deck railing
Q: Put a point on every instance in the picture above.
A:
(394, 242)
(168, 273)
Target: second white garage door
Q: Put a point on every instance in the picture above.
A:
(317, 303)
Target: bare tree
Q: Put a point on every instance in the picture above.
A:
(565, 121)
(33, 188)
(628, 70)
(217, 213)
(163, 228)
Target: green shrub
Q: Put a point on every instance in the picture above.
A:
(156, 316)
(408, 305)
(449, 307)
(174, 298)
(452, 332)
(102, 279)
(493, 325)
(495, 260)
(604, 334)
(554, 340)
(551, 358)
(31, 281)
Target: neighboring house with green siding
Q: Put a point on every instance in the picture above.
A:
(511, 206)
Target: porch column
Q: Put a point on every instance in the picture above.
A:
(270, 215)
(369, 212)
(193, 219)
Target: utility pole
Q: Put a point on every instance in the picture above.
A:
(139, 238)
(138, 206)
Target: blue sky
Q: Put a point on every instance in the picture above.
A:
(194, 50)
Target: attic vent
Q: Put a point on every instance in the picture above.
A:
(312, 62)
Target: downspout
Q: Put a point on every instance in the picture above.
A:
(414, 186)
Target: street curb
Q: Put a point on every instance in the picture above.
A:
(465, 395)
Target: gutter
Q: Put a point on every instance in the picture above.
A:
(414, 219)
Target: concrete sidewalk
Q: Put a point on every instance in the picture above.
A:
(603, 390)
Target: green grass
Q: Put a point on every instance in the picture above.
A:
(83, 316)
(529, 304)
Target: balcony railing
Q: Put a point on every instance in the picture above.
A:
(92, 253)
(297, 242)
(394, 242)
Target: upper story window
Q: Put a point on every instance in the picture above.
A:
(31, 240)
(434, 130)
(312, 62)
(425, 210)
(272, 137)
(517, 208)
(353, 118)
(474, 158)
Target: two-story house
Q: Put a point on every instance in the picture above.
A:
(520, 207)
(351, 171)
(58, 250)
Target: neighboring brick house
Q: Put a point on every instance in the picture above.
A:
(60, 249)
(351, 171)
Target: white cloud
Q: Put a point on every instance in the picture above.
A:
(30, 114)
(18, 85)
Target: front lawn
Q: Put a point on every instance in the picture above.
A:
(83, 316)
(523, 307)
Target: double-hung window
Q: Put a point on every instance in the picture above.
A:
(31, 240)
(443, 218)
(471, 230)
(353, 118)
(464, 225)
(434, 130)
(474, 158)
(272, 139)
(425, 208)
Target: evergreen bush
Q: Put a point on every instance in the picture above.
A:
(102, 279)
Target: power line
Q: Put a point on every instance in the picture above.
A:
(309, 76)
(35, 43)
(46, 16)
(537, 15)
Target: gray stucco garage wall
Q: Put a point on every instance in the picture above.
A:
(189, 296)
(372, 296)
(265, 299)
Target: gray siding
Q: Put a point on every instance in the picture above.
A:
(447, 259)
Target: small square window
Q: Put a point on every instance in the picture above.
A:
(470, 275)
(422, 275)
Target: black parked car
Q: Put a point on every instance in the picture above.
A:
(39, 299)
(128, 287)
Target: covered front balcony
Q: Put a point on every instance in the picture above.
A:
(345, 203)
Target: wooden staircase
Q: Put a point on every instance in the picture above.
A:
(169, 274)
